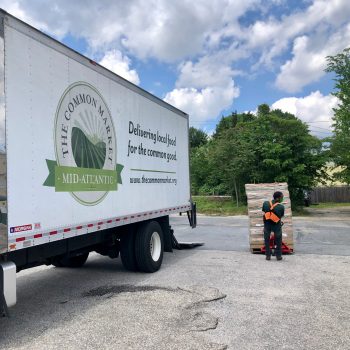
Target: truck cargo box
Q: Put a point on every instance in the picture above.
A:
(81, 149)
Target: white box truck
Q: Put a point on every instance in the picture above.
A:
(88, 161)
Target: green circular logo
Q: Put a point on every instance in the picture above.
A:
(85, 145)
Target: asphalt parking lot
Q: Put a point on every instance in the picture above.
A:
(324, 232)
(218, 296)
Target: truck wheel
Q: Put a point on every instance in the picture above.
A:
(72, 261)
(149, 247)
(127, 250)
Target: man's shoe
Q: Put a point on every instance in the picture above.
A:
(279, 258)
(268, 257)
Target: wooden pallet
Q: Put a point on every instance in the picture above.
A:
(255, 250)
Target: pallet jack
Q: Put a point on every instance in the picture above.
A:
(285, 248)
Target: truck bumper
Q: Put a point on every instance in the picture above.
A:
(8, 294)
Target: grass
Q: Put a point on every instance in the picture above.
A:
(308, 211)
(218, 206)
(301, 211)
(329, 205)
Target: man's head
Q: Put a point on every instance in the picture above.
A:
(278, 196)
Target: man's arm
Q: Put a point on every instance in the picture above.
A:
(264, 208)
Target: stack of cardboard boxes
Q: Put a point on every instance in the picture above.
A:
(256, 195)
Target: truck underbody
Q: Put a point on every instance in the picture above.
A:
(134, 243)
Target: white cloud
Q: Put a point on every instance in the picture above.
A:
(203, 104)
(174, 30)
(119, 64)
(206, 72)
(204, 89)
(209, 38)
(273, 36)
(305, 67)
(17, 10)
(166, 30)
(315, 109)
(309, 60)
(171, 31)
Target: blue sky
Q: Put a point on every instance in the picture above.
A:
(209, 58)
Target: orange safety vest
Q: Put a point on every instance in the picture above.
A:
(270, 215)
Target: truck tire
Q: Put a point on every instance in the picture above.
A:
(72, 261)
(127, 250)
(149, 247)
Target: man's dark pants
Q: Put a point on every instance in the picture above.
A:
(277, 230)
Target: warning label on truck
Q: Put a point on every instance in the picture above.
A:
(22, 228)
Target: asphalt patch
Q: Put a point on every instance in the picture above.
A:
(123, 288)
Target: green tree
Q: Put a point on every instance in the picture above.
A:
(340, 145)
(199, 167)
(273, 147)
(231, 121)
(263, 110)
(224, 124)
(231, 161)
(197, 137)
(286, 152)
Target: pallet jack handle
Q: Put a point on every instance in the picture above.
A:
(285, 248)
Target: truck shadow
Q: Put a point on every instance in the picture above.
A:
(49, 296)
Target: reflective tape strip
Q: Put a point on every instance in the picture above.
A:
(34, 239)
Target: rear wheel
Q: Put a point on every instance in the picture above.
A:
(72, 261)
(149, 247)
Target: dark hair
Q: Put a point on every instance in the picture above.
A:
(277, 195)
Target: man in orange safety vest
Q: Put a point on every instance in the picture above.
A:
(274, 211)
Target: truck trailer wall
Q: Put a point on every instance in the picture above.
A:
(3, 168)
(83, 150)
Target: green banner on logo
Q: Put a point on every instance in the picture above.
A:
(74, 179)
